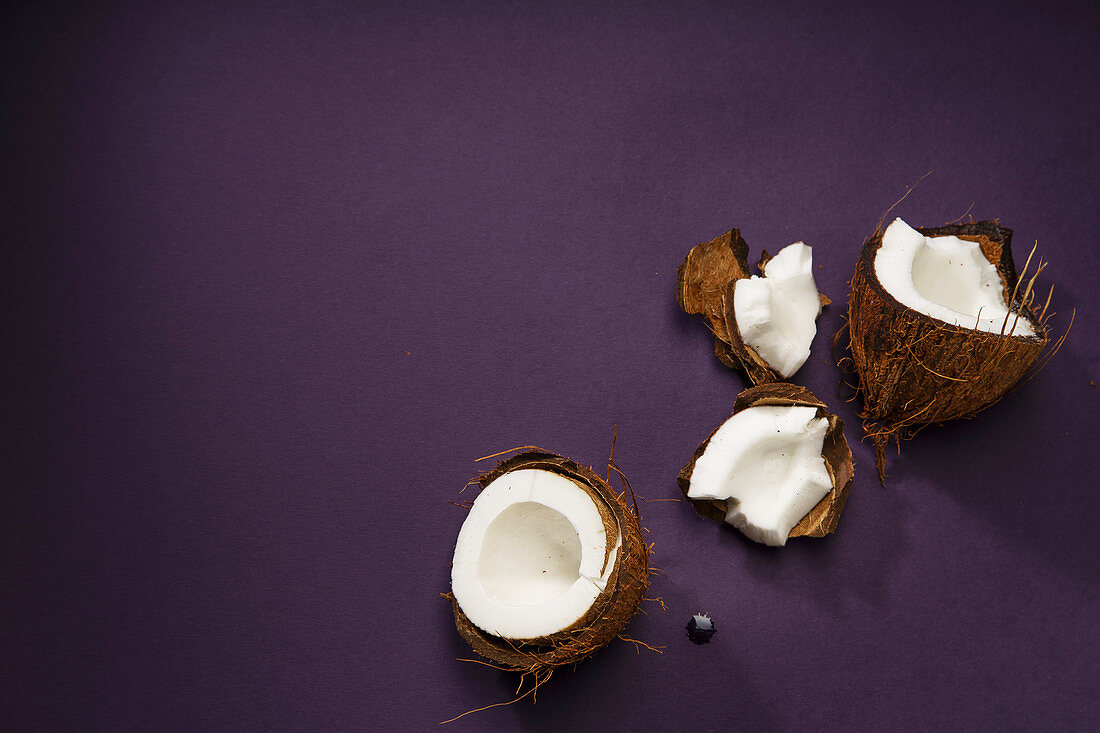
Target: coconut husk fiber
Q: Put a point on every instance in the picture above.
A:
(613, 608)
(705, 283)
(823, 518)
(915, 370)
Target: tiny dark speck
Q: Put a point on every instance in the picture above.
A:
(700, 628)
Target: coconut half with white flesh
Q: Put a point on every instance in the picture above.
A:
(762, 324)
(940, 325)
(778, 468)
(549, 565)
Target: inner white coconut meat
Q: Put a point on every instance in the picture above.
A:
(777, 314)
(765, 463)
(532, 556)
(946, 278)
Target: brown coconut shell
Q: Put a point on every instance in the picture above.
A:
(613, 608)
(705, 284)
(823, 518)
(915, 370)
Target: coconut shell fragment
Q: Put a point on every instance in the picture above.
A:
(614, 607)
(915, 370)
(705, 283)
(823, 518)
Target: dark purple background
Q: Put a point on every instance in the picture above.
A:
(275, 274)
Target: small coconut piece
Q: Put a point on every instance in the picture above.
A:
(549, 567)
(778, 468)
(940, 326)
(764, 324)
(776, 315)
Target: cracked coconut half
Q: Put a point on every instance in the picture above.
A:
(779, 467)
(549, 566)
(762, 324)
(940, 325)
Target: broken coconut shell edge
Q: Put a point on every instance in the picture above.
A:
(823, 518)
(704, 286)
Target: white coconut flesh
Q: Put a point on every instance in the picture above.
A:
(777, 314)
(532, 556)
(765, 463)
(946, 278)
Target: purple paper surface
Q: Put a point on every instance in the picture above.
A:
(274, 274)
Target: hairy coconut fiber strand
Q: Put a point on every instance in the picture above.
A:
(914, 369)
(613, 608)
(823, 518)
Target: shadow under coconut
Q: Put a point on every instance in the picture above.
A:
(561, 700)
(697, 338)
(692, 330)
(591, 696)
(687, 324)
(1022, 465)
(853, 565)
(1019, 464)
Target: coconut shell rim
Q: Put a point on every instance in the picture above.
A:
(1005, 267)
(751, 362)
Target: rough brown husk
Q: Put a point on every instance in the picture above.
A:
(612, 610)
(705, 284)
(823, 518)
(915, 370)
